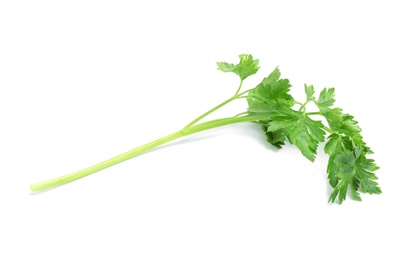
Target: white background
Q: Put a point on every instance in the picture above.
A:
(82, 81)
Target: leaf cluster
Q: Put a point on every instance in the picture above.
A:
(349, 169)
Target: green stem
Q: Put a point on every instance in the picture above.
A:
(314, 113)
(328, 129)
(303, 106)
(236, 96)
(209, 112)
(142, 149)
(241, 114)
(227, 121)
(239, 88)
(105, 164)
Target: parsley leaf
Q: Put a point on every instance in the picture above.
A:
(271, 96)
(245, 68)
(325, 100)
(309, 90)
(276, 138)
(273, 89)
(349, 170)
(306, 135)
(301, 131)
(352, 170)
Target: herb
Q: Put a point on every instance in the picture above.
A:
(282, 118)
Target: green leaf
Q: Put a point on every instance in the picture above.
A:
(225, 67)
(337, 120)
(326, 99)
(365, 174)
(306, 135)
(345, 124)
(332, 171)
(276, 138)
(271, 97)
(333, 117)
(337, 144)
(301, 130)
(348, 125)
(352, 171)
(285, 118)
(343, 170)
(355, 195)
(245, 68)
(309, 90)
(282, 123)
(272, 91)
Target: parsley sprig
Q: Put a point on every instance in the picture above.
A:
(282, 119)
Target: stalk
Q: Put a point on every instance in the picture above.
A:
(144, 148)
(234, 97)
(105, 164)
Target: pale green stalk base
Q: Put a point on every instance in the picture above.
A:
(100, 166)
(142, 149)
